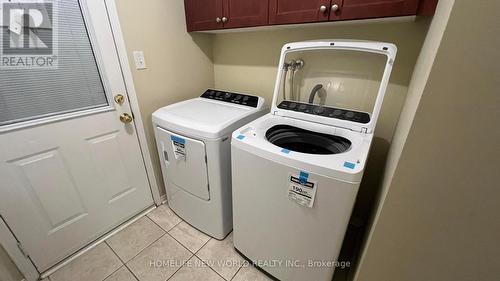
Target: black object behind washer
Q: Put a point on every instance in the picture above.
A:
(300, 140)
(230, 97)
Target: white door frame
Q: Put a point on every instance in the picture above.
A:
(121, 49)
(7, 239)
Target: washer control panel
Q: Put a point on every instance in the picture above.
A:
(349, 115)
(236, 98)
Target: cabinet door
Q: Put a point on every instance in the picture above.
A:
(298, 11)
(203, 14)
(244, 13)
(362, 9)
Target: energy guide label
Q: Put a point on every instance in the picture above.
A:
(302, 190)
(179, 147)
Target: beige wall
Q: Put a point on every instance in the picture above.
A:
(415, 90)
(440, 219)
(179, 64)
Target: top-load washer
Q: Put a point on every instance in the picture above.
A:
(297, 170)
(193, 140)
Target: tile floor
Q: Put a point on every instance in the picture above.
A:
(158, 247)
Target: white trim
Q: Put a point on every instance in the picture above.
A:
(132, 95)
(163, 199)
(9, 243)
(95, 243)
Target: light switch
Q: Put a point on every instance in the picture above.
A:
(140, 61)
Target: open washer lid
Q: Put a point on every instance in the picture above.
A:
(335, 82)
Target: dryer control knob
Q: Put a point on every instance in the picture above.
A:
(302, 107)
(349, 114)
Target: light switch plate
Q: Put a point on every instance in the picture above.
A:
(140, 61)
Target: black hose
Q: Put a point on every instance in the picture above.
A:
(314, 91)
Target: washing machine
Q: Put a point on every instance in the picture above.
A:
(193, 141)
(297, 170)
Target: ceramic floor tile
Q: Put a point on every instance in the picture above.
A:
(135, 238)
(195, 269)
(250, 273)
(96, 264)
(122, 274)
(160, 260)
(221, 256)
(189, 236)
(164, 217)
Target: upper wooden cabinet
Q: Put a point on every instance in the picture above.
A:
(364, 9)
(218, 14)
(242, 13)
(298, 11)
(203, 14)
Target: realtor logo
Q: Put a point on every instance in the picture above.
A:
(28, 35)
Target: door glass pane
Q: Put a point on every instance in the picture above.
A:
(74, 84)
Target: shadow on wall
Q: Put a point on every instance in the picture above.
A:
(372, 179)
(204, 42)
(363, 208)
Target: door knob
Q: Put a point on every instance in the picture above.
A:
(119, 99)
(217, 19)
(126, 118)
(335, 7)
(322, 9)
(224, 19)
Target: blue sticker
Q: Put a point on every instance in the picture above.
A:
(349, 165)
(284, 150)
(178, 139)
(240, 137)
(303, 176)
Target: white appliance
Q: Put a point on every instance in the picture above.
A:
(193, 140)
(296, 170)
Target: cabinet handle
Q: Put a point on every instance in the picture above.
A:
(224, 19)
(217, 20)
(322, 9)
(335, 7)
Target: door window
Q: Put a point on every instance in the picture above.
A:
(70, 83)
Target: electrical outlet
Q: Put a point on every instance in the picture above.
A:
(140, 61)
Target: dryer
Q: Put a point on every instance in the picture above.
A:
(193, 141)
(297, 170)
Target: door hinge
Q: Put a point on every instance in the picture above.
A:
(206, 160)
(23, 251)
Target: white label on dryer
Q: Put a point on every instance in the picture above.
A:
(302, 190)
(179, 147)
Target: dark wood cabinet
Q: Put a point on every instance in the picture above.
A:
(365, 9)
(203, 14)
(298, 11)
(243, 13)
(218, 14)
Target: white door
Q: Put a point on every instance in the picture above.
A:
(185, 162)
(70, 170)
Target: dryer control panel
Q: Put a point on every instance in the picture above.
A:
(236, 98)
(355, 116)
